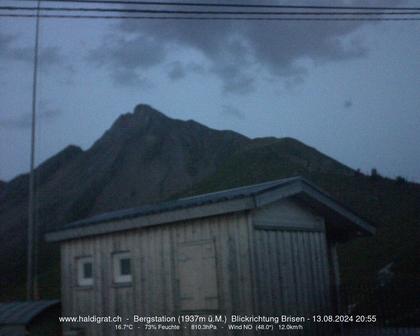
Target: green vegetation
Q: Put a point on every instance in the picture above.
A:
(394, 208)
(147, 157)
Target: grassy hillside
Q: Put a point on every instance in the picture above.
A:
(144, 157)
(147, 157)
(392, 205)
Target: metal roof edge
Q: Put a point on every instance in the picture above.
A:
(300, 184)
(279, 192)
(206, 205)
(176, 215)
(331, 202)
(183, 203)
(23, 312)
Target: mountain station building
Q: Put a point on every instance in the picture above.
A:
(268, 249)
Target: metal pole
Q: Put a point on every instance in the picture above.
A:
(31, 285)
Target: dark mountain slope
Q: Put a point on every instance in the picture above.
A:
(265, 159)
(13, 215)
(2, 186)
(146, 157)
(158, 156)
(393, 205)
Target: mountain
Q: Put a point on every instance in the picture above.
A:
(13, 215)
(144, 157)
(2, 186)
(147, 157)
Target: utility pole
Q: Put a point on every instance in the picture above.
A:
(32, 285)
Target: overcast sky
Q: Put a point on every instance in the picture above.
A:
(350, 89)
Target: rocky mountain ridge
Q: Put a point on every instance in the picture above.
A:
(147, 157)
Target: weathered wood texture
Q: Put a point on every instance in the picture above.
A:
(271, 261)
(290, 265)
(154, 289)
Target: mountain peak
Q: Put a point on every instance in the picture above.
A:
(146, 110)
(145, 113)
(142, 115)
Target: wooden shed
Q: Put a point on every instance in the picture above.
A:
(30, 318)
(266, 249)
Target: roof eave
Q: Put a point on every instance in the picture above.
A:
(335, 206)
(292, 187)
(303, 186)
(172, 216)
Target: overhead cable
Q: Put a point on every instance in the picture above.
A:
(231, 5)
(195, 12)
(191, 18)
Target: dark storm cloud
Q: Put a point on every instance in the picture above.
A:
(235, 51)
(126, 58)
(233, 112)
(348, 104)
(23, 121)
(48, 56)
(176, 70)
(6, 42)
(128, 77)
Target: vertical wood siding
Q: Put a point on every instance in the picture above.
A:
(291, 273)
(154, 290)
(272, 261)
(291, 270)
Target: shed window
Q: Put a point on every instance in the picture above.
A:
(197, 276)
(85, 271)
(122, 267)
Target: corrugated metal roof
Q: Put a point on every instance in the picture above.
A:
(216, 203)
(13, 333)
(23, 312)
(214, 197)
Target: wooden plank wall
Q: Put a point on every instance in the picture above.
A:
(154, 287)
(272, 261)
(291, 273)
(291, 268)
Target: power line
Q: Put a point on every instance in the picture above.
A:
(213, 15)
(32, 252)
(191, 18)
(231, 5)
(195, 12)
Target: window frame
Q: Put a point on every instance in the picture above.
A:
(117, 276)
(82, 281)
